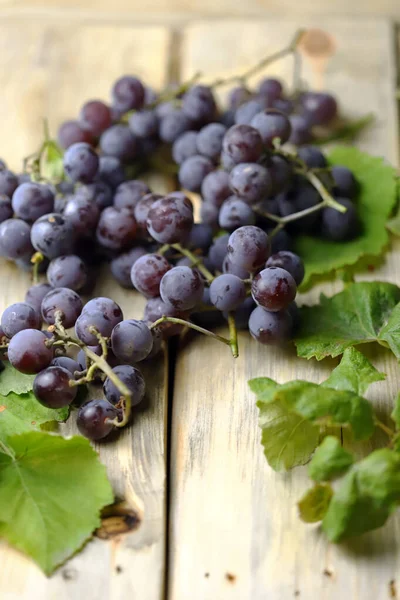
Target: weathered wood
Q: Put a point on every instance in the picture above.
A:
(50, 69)
(234, 528)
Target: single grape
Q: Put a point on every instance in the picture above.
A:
(284, 105)
(339, 226)
(95, 116)
(15, 239)
(98, 192)
(67, 363)
(200, 238)
(193, 170)
(32, 200)
(209, 140)
(198, 104)
(111, 171)
(131, 341)
(215, 187)
(345, 184)
(157, 336)
(72, 132)
(242, 143)
(294, 312)
(301, 130)
(165, 108)
(116, 228)
(51, 387)
(227, 292)
(68, 272)
(227, 118)
(150, 96)
(313, 157)
(247, 111)
(83, 215)
(156, 308)
(235, 213)
(172, 125)
(128, 194)
(272, 124)
(119, 141)
(209, 214)
(251, 182)
(53, 235)
(270, 88)
(280, 172)
(144, 123)
(28, 353)
(242, 313)
(320, 108)
(182, 287)
(61, 299)
(238, 96)
(248, 248)
(229, 267)
(170, 219)
(108, 307)
(184, 146)
(281, 241)
(121, 266)
(128, 93)
(141, 212)
(218, 251)
(298, 198)
(132, 378)
(8, 182)
(273, 288)
(95, 417)
(19, 316)
(89, 319)
(81, 163)
(35, 295)
(270, 328)
(290, 262)
(6, 211)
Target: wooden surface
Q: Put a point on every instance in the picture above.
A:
(234, 532)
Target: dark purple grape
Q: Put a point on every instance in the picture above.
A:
(52, 235)
(132, 378)
(272, 88)
(98, 192)
(6, 211)
(198, 104)
(313, 157)
(339, 226)
(71, 132)
(116, 229)
(227, 163)
(81, 357)
(227, 292)
(281, 241)
(121, 266)
(242, 313)
(19, 316)
(131, 341)
(15, 239)
(141, 211)
(156, 308)
(301, 131)
(345, 184)
(147, 272)
(242, 143)
(247, 111)
(83, 215)
(28, 353)
(284, 105)
(182, 287)
(298, 198)
(184, 147)
(248, 248)
(51, 387)
(95, 116)
(193, 171)
(238, 96)
(150, 95)
(273, 288)
(81, 163)
(235, 213)
(95, 418)
(227, 118)
(173, 124)
(8, 182)
(67, 363)
(251, 182)
(61, 299)
(280, 172)
(170, 220)
(157, 336)
(272, 124)
(128, 93)
(215, 187)
(294, 312)
(89, 319)
(111, 171)
(35, 295)
(218, 251)
(209, 214)
(200, 238)
(209, 140)
(270, 328)
(119, 141)
(229, 267)
(144, 123)
(290, 262)
(68, 272)
(32, 200)
(165, 108)
(320, 108)
(128, 194)
(106, 306)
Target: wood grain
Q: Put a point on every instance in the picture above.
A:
(50, 69)
(234, 528)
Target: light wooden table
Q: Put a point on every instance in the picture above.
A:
(231, 531)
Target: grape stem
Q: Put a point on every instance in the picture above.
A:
(384, 428)
(195, 260)
(168, 95)
(178, 321)
(233, 341)
(321, 189)
(36, 259)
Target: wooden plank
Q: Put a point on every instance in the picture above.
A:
(50, 69)
(234, 528)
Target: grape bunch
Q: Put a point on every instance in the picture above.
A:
(235, 263)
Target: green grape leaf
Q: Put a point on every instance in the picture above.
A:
(12, 380)
(19, 413)
(315, 502)
(52, 490)
(396, 412)
(263, 388)
(354, 373)
(52, 164)
(367, 495)
(375, 202)
(330, 460)
(361, 313)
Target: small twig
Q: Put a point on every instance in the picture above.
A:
(168, 95)
(390, 432)
(36, 259)
(195, 260)
(177, 321)
(233, 335)
(323, 192)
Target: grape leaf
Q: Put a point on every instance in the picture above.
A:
(330, 460)
(377, 197)
(52, 165)
(354, 373)
(12, 380)
(51, 494)
(367, 495)
(19, 413)
(357, 315)
(315, 502)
